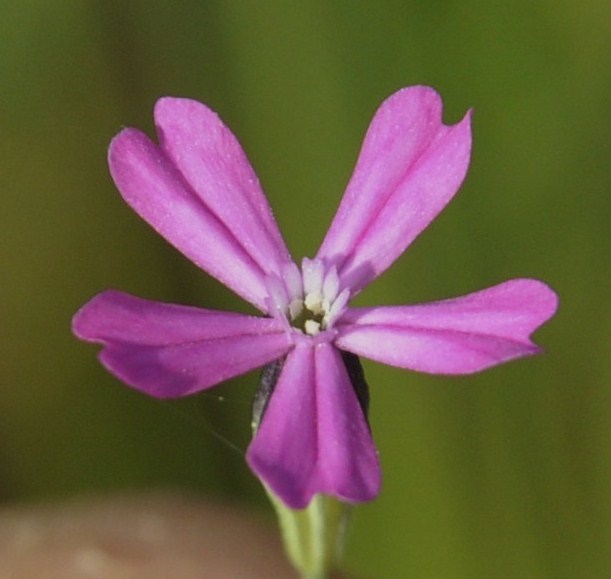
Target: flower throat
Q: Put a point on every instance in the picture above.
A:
(310, 300)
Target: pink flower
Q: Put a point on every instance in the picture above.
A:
(198, 190)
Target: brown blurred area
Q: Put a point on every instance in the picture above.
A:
(157, 536)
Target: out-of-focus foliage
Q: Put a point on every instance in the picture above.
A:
(501, 475)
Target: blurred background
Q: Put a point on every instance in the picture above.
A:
(506, 474)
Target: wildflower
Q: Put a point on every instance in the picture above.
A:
(197, 189)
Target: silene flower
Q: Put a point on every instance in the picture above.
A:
(197, 189)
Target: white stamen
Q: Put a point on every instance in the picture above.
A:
(311, 327)
(314, 302)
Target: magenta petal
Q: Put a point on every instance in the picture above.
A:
(409, 168)
(313, 437)
(168, 350)
(155, 189)
(456, 336)
(212, 161)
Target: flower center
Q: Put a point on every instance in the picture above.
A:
(309, 300)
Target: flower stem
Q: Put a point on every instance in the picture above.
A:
(313, 537)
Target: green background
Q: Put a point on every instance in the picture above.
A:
(506, 474)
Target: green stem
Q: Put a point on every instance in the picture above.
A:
(313, 537)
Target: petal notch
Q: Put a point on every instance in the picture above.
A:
(410, 166)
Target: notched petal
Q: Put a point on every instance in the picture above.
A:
(313, 437)
(410, 166)
(151, 184)
(168, 350)
(212, 161)
(455, 336)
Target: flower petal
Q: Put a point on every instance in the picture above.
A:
(313, 437)
(155, 189)
(409, 168)
(455, 336)
(168, 350)
(212, 161)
